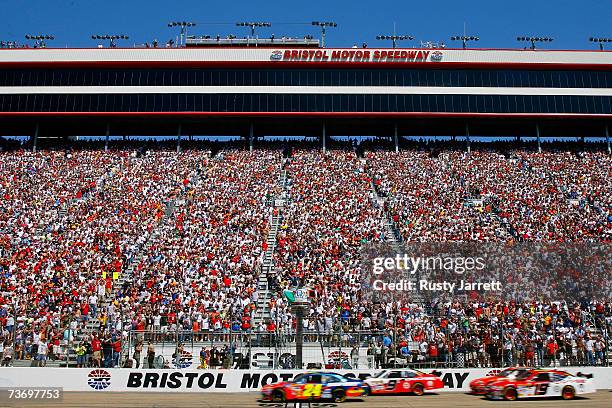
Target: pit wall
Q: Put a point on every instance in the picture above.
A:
(169, 380)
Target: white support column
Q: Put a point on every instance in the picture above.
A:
(178, 142)
(251, 137)
(35, 141)
(324, 137)
(107, 137)
(538, 136)
(395, 139)
(467, 136)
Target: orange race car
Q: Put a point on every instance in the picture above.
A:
(403, 381)
(540, 383)
(479, 385)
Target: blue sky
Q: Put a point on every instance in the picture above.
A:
(496, 22)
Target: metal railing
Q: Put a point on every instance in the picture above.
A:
(253, 42)
(341, 344)
(276, 350)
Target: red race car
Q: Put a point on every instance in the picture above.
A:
(315, 386)
(402, 381)
(479, 385)
(540, 383)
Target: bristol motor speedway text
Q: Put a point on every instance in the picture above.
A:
(250, 380)
(355, 55)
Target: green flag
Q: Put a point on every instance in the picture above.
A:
(289, 295)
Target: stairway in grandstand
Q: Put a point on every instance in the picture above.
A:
(392, 234)
(393, 237)
(100, 185)
(599, 327)
(264, 293)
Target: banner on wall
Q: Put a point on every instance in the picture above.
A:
(103, 379)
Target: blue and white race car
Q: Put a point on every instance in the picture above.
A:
(315, 386)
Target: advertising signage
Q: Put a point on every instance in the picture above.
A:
(356, 55)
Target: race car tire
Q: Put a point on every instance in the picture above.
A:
(366, 390)
(278, 396)
(510, 394)
(568, 393)
(418, 389)
(338, 395)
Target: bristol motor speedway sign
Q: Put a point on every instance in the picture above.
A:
(357, 55)
(108, 379)
(233, 381)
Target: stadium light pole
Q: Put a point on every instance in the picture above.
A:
(253, 25)
(323, 25)
(534, 40)
(394, 38)
(40, 38)
(112, 38)
(600, 41)
(183, 25)
(464, 39)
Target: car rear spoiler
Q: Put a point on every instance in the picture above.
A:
(436, 373)
(584, 375)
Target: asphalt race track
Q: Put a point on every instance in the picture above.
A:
(601, 399)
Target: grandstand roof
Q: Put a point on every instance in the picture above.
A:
(220, 55)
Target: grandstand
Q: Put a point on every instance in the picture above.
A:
(251, 92)
(114, 252)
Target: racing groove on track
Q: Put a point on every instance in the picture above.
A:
(601, 399)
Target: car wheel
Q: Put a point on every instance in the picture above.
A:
(278, 396)
(568, 393)
(338, 396)
(418, 389)
(510, 394)
(366, 390)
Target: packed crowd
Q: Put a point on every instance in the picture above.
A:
(427, 198)
(70, 224)
(484, 196)
(199, 273)
(532, 192)
(488, 196)
(330, 214)
(485, 334)
(188, 233)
